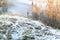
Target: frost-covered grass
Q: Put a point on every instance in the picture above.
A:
(20, 28)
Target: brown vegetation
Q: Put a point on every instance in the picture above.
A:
(51, 15)
(3, 4)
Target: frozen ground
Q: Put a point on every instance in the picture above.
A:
(20, 28)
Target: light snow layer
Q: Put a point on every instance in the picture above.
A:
(20, 28)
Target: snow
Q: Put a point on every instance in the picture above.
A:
(21, 28)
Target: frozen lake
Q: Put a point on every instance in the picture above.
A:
(19, 7)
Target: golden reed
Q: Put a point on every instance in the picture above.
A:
(51, 15)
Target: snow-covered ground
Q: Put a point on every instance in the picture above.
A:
(19, 6)
(20, 28)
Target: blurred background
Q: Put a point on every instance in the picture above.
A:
(47, 11)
